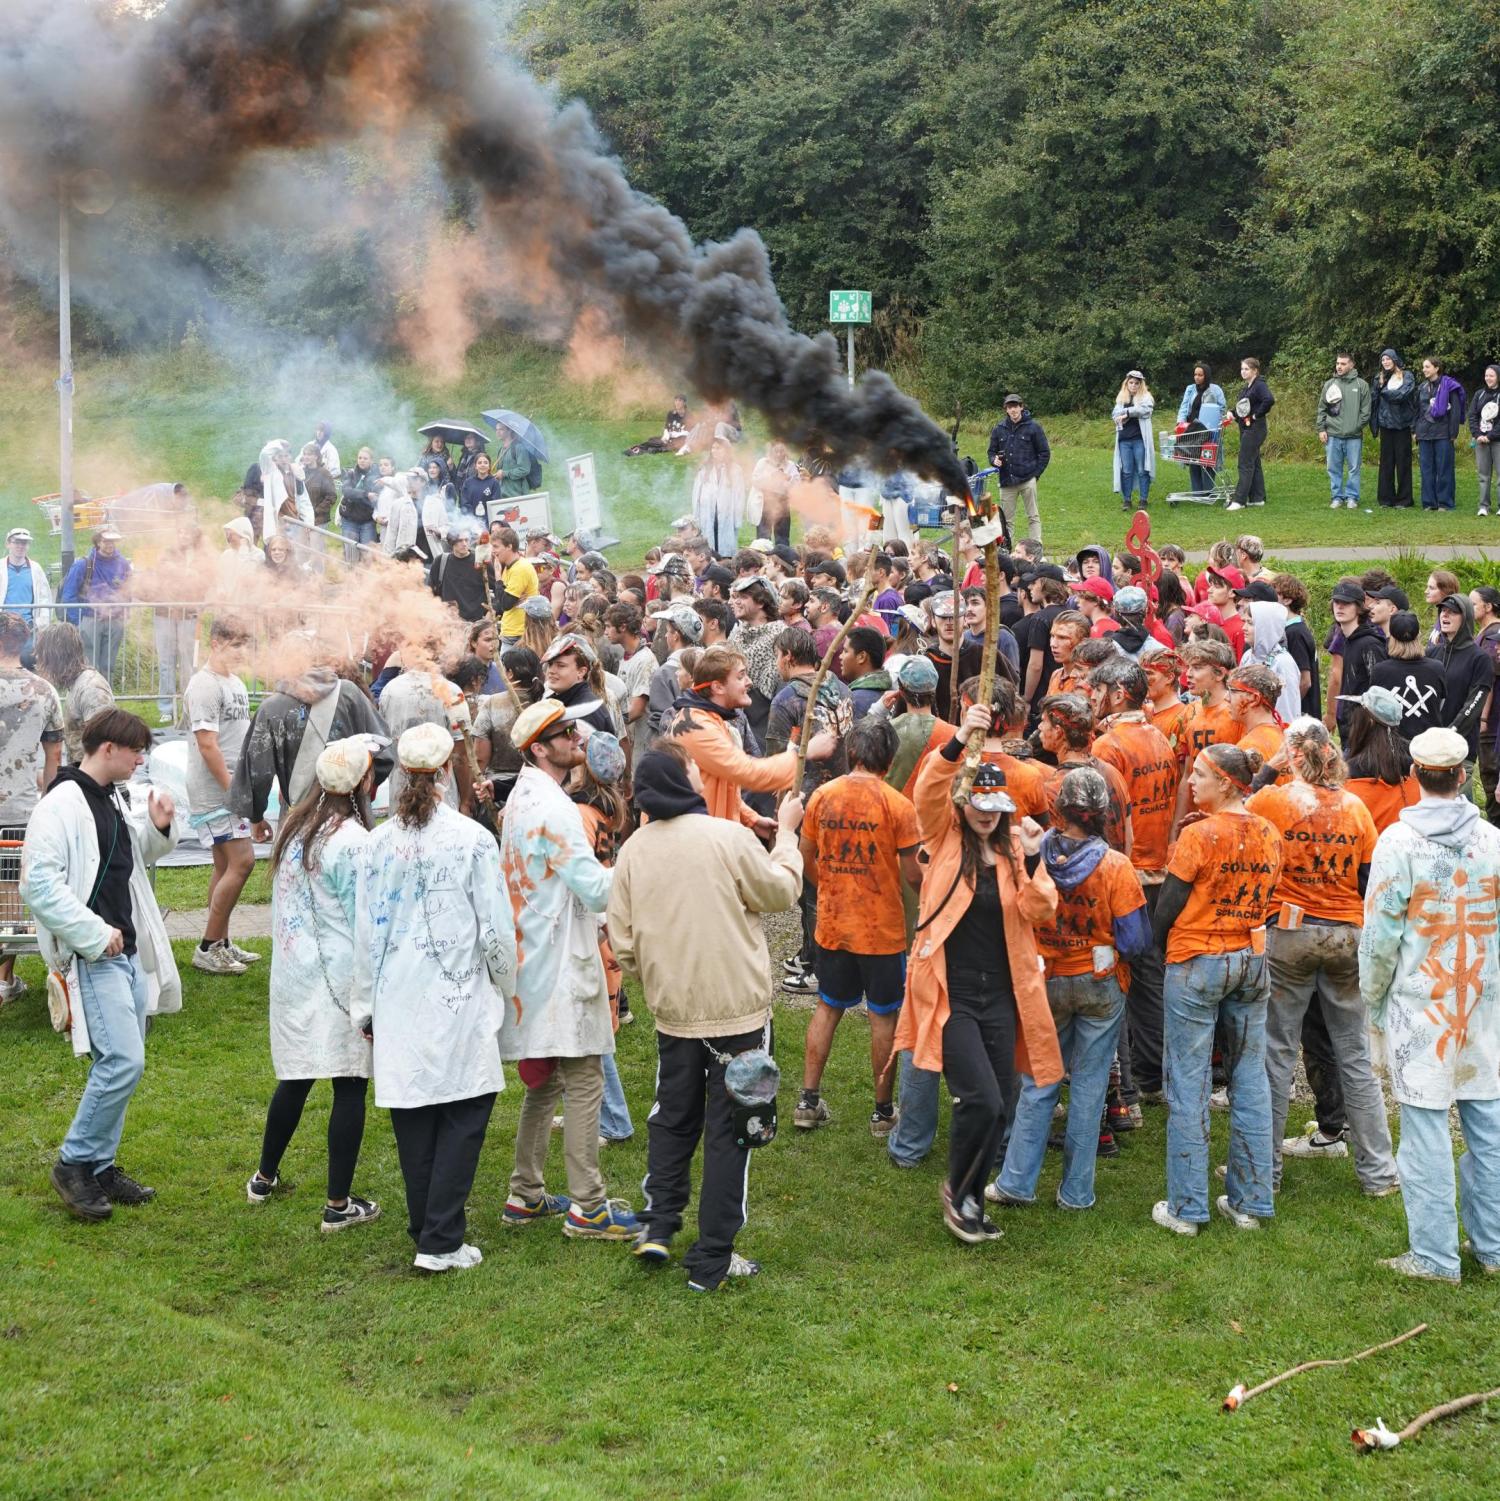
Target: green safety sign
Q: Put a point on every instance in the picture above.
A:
(848, 307)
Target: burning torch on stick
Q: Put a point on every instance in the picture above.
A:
(987, 532)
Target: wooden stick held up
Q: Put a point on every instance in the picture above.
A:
(975, 749)
(1239, 1396)
(820, 676)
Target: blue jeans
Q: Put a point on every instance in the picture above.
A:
(1133, 469)
(916, 1131)
(1342, 452)
(1425, 1158)
(1088, 1012)
(356, 531)
(1435, 459)
(1228, 990)
(112, 993)
(614, 1113)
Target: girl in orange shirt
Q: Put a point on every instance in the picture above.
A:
(1379, 757)
(1211, 920)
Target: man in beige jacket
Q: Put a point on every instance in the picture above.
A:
(711, 999)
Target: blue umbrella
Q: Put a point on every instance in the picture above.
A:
(524, 428)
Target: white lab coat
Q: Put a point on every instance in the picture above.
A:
(59, 869)
(434, 953)
(312, 961)
(41, 594)
(557, 886)
(408, 700)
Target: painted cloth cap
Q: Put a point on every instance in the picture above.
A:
(534, 720)
(606, 760)
(342, 764)
(537, 607)
(943, 606)
(425, 747)
(1440, 749)
(1130, 601)
(688, 622)
(1381, 702)
(567, 642)
(918, 675)
(989, 794)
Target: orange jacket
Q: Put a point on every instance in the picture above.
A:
(925, 1013)
(725, 768)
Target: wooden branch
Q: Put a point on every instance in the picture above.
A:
(1381, 1437)
(1239, 1396)
(975, 749)
(820, 676)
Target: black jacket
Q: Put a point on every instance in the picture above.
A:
(1421, 685)
(323, 493)
(1258, 394)
(459, 582)
(1393, 401)
(360, 486)
(1483, 398)
(1468, 674)
(1447, 426)
(1019, 450)
(579, 695)
(1363, 648)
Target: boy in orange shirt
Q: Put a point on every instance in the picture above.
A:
(1253, 693)
(1210, 718)
(1067, 731)
(1100, 925)
(859, 838)
(1164, 706)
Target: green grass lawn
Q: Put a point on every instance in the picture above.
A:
(203, 1347)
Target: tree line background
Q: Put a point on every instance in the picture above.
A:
(1039, 194)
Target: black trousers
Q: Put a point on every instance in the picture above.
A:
(1144, 1006)
(439, 1150)
(1250, 489)
(1321, 1063)
(346, 1129)
(808, 905)
(979, 1063)
(1394, 488)
(692, 1103)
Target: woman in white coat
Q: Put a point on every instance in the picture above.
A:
(434, 953)
(719, 497)
(315, 866)
(1135, 454)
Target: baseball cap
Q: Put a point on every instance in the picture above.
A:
(788, 555)
(687, 621)
(918, 674)
(1130, 601)
(1230, 574)
(1013, 400)
(830, 566)
(717, 573)
(1393, 594)
(1257, 589)
(109, 534)
(1452, 605)
(740, 585)
(1049, 571)
(1439, 749)
(18, 534)
(989, 794)
(1385, 705)
(1100, 588)
(1347, 592)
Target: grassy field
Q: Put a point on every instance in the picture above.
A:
(200, 1346)
(186, 415)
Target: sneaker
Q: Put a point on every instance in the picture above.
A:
(1219, 1099)
(1234, 505)
(120, 1188)
(1312, 1143)
(627, 1016)
(447, 1261)
(1484, 510)
(1337, 504)
(793, 966)
(356, 1212)
(987, 1227)
(1409, 1264)
(966, 1228)
(11, 990)
(810, 1117)
(739, 1266)
(1233, 1215)
(257, 1190)
(217, 960)
(557, 1123)
(1351, 504)
(79, 1189)
(654, 1250)
(1108, 1146)
(529, 1211)
(1385, 1191)
(1489, 1268)
(994, 1194)
(242, 956)
(472, 1255)
(881, 1126)
(1162, 1215)
(612, 1220)
(802, 982)
(1123, 1118)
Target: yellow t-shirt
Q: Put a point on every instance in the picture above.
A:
(519, 579)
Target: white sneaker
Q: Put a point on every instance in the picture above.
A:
(1484, 510)
(11, 990)
(1219, 1099)
(472, 1255)
(1234, 505)
(244, 956)
(217, 960)
(1162, 1215)
(1235, 1218)
(1351, 504)
(1312, 1143)
(448, 1261)
(741, 1266)
(1337, 503)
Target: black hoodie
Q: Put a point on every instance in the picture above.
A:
(111, 898)
(1468, 672)
(1364, 646)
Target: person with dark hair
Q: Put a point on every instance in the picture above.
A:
(498, 758)
(95, 585)
(85, 877)
(1250, 409)
(1440, 419)
(1468, 673)
(1485, 599)
(1393, 415)
(1432, 897)
(1378, 757)
(711, 1002)
(1200, 414)
(82, 690)
(1343, 411)
(1211, 921)
(1301, 644)
(431, 978)
(1355, 646)
(976, 1002)
(1414, 677)
(1066, 731)
(315, 868)
(457, 578)
(859, 840)
(560, 1027)
(1211, 720)
(1019, 450)
(1100, 927)
(861, 666)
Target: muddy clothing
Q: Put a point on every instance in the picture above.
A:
(30, 717)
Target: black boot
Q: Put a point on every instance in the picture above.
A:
(79, 1189)
(120, 1188)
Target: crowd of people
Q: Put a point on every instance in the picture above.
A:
(1196, 844)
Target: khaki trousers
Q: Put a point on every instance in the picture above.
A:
(579, 1083)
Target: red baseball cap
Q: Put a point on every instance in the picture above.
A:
(1100, 588)
(1230, 574)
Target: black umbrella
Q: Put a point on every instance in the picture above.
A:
(453, 432)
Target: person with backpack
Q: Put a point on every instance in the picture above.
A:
(514, 464)
(94, 585)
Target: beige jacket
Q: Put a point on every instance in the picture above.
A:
(684, 916)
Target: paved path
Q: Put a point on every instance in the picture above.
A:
(245, 921)
(1436, 552)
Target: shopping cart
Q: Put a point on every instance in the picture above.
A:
(1201, 452)
(17, 929)
(87, 513)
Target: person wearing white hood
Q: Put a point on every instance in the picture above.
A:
(1427, 971)
(1265, 638)
(434, 957)
(239, 542)
(281, 482)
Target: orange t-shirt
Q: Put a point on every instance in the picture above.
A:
(1172, 722)
(1068, 679)
(1384, 801)
(1086, 916)
(1326, 835)
(1265, 738)
(858, 826)
(1231, 861)
(1117, 823)
(1146, 761)
(1026, 781)
(1207, 726)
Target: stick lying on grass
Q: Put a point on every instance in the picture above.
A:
(1239, 1396)
(1381, 1437)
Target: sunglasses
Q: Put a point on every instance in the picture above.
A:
(568, 732)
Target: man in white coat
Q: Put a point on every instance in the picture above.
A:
(27, 592)
(84, 876)
(558, 1027)
(1428, 972)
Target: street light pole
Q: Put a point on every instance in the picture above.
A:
(65, 376)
